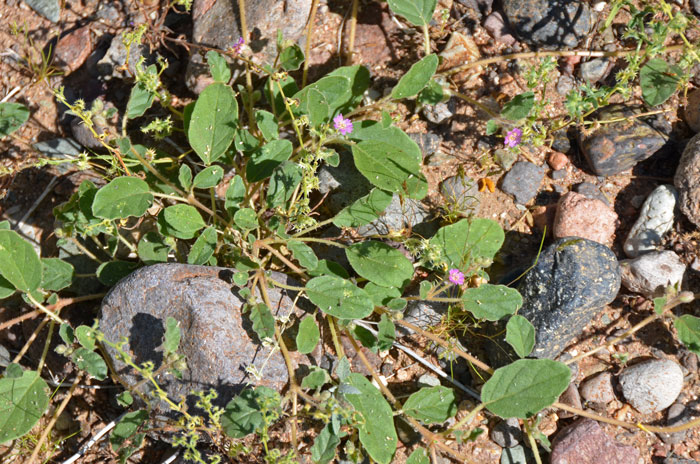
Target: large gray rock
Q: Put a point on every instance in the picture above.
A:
(653, 385)
(687, 181)
(655, 219)
(552, 23)
(217, 340)
(651, 273)
(573, 279)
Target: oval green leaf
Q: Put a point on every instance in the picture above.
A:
(416, 78)
(91, 362)
(19, 263)
(23, 401)
(209, 177)
(339, 297)
(57, 274)
(264, 160)
(152, 248)
(491, 302)
(304, 254)
(308, 335)
(203, 248)
(688, 328)
(468, 240)
(431, 404)
(520, 334)
(525, 387)
(519, 107)
(246, 219)
(111, 272)
(364, 210)
(417, 12)
(658, 81)
(12, 116)
(213, 122)
(385, 165)
(180, 221)
(121, 198)
(380, 263)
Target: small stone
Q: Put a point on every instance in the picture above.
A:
(507, 433)
(505, 158)
(591, 191)
(49, 9)
(558, 175)
(561, 142)
(516, 455)
(673, 459)
(594, 70)
(565, 84)
(651, 273)
(585, 442)
(677, 414)
(74, 48)
(440, 112)
(598, 389)
(460, 49)
(428, 380)
(687, 180)
(692, 110)
(655, 219)
(653, 385)
(543, 216)
(578, 216)
(558, 23)
(557, 160)
(572, 280)
(424, 314)
(460, 193)
(618, 146)
(498, 29)
(428, 142)
(523, 181)
(689, 360)
(570, 397)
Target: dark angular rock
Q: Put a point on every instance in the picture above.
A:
(523, 181)
(217, 341)
(572, 280)
(618, 146)
(591, 191)
(553, 23)
(585, 442)
(687, 181)
(49, 9)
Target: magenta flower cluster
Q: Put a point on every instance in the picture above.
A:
(456, 277)
(342, 125)
(238, 45)
(513, 137)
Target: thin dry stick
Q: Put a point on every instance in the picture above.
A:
(19, 319)
(94, 440)
(248, 76)
(353, 27)
(30, 340)
(309, 29)
(52, 422)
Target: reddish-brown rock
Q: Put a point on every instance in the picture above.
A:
(73, 49)
(557, 160)
(585, 442)
(579, 216)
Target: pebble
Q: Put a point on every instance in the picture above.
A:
(598, 389)
(523, 181)
(515, 455)
(616, 147)
(428, 142)
(214, 339)
(550, 23)
(557, 161)
(591, 191)
(428, 380)
(560, 141)
(111, 64)
(573, 279)
(74, 48)
(687, 180)
(652, 272)
(507, 433)
(49, 9)
(696, 6)
(505, 158)
(570, 397)
(692, 110)
(498, 29)
(579, 216)
(655, 219)
(565, 84)
(460, 193)
(558, 175)
(594, 70)
(677, 414)
(651, 386)
(585, 442)
(424, 314)
(440, 112)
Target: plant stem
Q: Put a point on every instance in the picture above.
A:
(426, 39)
(351, 39)
(248, 77)
(309, 30)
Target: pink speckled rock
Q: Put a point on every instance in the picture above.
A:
(579, 216)
(585, 442)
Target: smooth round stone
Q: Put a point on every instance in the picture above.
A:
(651, 273)
(523, 181)
(692, 110)
(687, 180)
(507, 433)
(594, 70)
(428, 380)
(580, 216)
(550, 23)
(598, 389)
(655, 219)
(460, 193)
(653, 385)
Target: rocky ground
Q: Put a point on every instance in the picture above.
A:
(630, 189)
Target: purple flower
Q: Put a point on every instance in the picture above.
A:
(238, 45)
(342, 125)
(456, 277)
(513, 137)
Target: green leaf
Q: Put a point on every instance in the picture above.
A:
(263, 161)
(6, 288)
(283, 182)
(139, 101)
(121, 198)
(364, 210)
(468, 240)
(56, 274)
(19, 263)
(218, 67)
(688, 328)
(291, 58)
(180, 221)
(432, 94)
(520, 334)
(203, 248)
(86, 336)
(372, 130)
(431, 404)
(366, 338)
(416, 78)
(377, 432)
(235, 193)
(124, 399)
(658, 81)
(209, 177)
(152, 248)
(331, 268)
(659, 304)
(425, 287)
(67, 334)
(12, 116)
(246, 219)
(417, 12)
(325, 443)
(267, 124)
(381, 295)
(126, 427)
(519, 107)
(419, 456)
(263, 321)
(172, 335)
(303, 253)
(339, 297)
(213, 123)
(385, 165)
(308, 335)
(491, 302)
(491, 127)
(315, 379)
(111, 272)
(23, 401)
(184, 176)
(525, 387)
(380, 263)
(386, 334)
(242, 414)
(91, 362)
